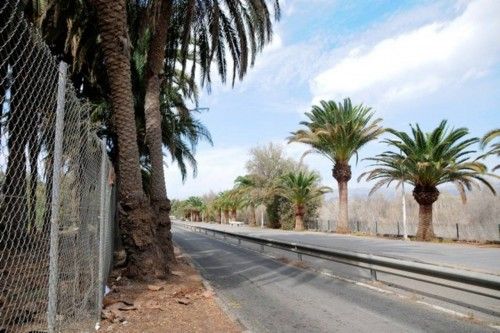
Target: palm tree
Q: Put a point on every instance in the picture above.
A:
(247, 187)
(300, 188)
(495, 147)
(223, 204)
(145, 257)
(235, 201)
(429, 160)
(193, 207)
(338, 131)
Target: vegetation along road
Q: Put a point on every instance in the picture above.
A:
(266, 295)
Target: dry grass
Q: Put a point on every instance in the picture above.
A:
(478, 219)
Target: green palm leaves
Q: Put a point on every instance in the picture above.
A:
(430, 159)
(338, 130)
(426, 160)
(495, 147)
(301, 187)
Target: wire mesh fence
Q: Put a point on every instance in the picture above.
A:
(56, 191)
(477, 220)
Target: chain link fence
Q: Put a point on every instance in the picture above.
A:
(56, 191)
(477, 220)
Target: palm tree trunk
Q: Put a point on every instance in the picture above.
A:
(425, 196)
(159, 200)
(299, 218)
(136, 219)
(226, 216)
(253, 216)
(233, 214)
(425, 230)
(342, 173)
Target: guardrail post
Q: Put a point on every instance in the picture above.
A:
(373, 274)
(261, 247)
(398, 229)
(458, 233)
(376, 227)
(54, 213)
(357, 226)
(239, 241)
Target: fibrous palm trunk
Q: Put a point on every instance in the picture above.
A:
(159, 200)
(136, 219)
(425, 197)
(342, 173)
(299, 218)
(226, 216)
(233, 214)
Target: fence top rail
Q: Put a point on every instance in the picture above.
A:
(479, 279)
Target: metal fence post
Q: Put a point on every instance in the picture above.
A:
(102, 224)
(458, 234)
(376, 227)
(54, 210)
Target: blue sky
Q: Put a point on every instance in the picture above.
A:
(411, 61)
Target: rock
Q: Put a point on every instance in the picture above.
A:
(127, 308)
(154, 288)
(184, 301)
(177, 273)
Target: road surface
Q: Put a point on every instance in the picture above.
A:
(486, 259)
(268, 296)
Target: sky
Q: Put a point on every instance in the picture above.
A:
(410, 61)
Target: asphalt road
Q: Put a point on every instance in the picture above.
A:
(486, 259)
(268, 296)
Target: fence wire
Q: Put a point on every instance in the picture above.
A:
(477, 220)
(56, 191)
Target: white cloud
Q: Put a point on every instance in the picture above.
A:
(417, 62)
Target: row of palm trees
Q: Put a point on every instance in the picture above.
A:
(299, 187)
(139, 62)
(424, 160)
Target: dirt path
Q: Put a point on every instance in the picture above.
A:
(180, 304)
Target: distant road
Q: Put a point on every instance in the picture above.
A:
(485, 259)
(268, 296)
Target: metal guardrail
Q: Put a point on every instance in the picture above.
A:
(375, 263)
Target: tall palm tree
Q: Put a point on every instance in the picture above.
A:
(198, 21)
(429, 160)
(144, 256)
(300, 188)
(338, 131)
(495, 147)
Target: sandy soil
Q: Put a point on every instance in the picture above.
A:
(179, 304)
